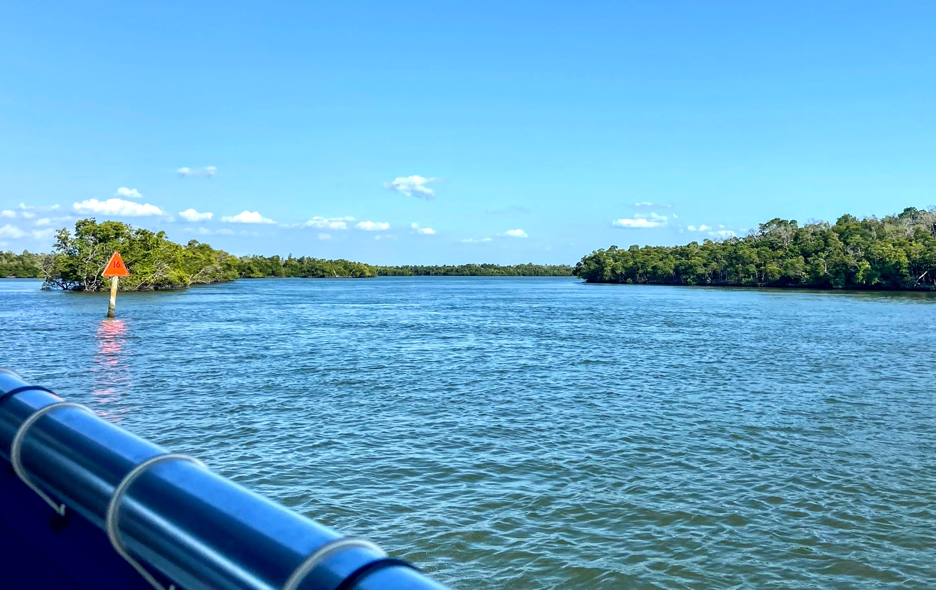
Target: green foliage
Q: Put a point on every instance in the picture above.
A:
(255, 267)
(154, 262)
(896, 252)
(21, 266)
(479, 270)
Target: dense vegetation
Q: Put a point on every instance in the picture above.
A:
(255, 267)
(478, 270)
(21, 266)
(896, 252)
(78, 258)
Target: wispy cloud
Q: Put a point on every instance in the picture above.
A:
(385, 237)
(649, 205)
(247, 217)
(474, 241)
(43, 221)
(324, 236)
(207, 172)
(700, 228)
(193, 215)
(373, 226)
(118, 207)
(515, 233)
(26, 211)
(11, 231)
(428, 231)
(412, 186)
(130, 193)
(328, 222)
(15, 233)
(641, 221)
(25, 207)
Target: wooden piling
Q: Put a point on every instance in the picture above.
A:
(112, 304)
(115, 268)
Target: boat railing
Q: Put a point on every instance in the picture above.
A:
(86, 504)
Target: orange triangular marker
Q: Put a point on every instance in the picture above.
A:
(116, 267)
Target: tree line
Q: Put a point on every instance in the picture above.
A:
(21, 266)
(478, 270)
(155, 262)
(897, 252)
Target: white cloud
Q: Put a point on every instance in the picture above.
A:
(428, 231)
(44, 221)
(328, 223)
(130, 193)
(725, 233)
(516, 233)
(324, 236)
(10, 231)
(8, 214)
(641, 221)
(373, 225)
(225, 232)
(207, 171)
(193, 215)
(474, 241)
(385, 237)
(412, 186)
(647, 204)
(117, 207)
(700, 228)
(635, 223)
(29, 211)
(247, 217)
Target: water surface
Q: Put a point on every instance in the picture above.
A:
(528, 433)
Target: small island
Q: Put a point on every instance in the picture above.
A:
(155, 262)
(897, 252)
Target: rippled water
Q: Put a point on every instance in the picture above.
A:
(537, 433)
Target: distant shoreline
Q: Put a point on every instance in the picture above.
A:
(893, 253)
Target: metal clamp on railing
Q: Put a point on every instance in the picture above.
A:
(168, 516)
(16, 450)
(320, 554)
(111, 521)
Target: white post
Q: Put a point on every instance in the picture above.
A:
(113, 298)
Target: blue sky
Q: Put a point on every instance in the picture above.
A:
(514, 131)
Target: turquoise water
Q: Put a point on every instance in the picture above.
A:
(528, 433)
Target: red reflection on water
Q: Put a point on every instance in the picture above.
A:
(111, 377)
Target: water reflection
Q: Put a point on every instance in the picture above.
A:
(111, 377)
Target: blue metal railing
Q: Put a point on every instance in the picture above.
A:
(175, 521)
